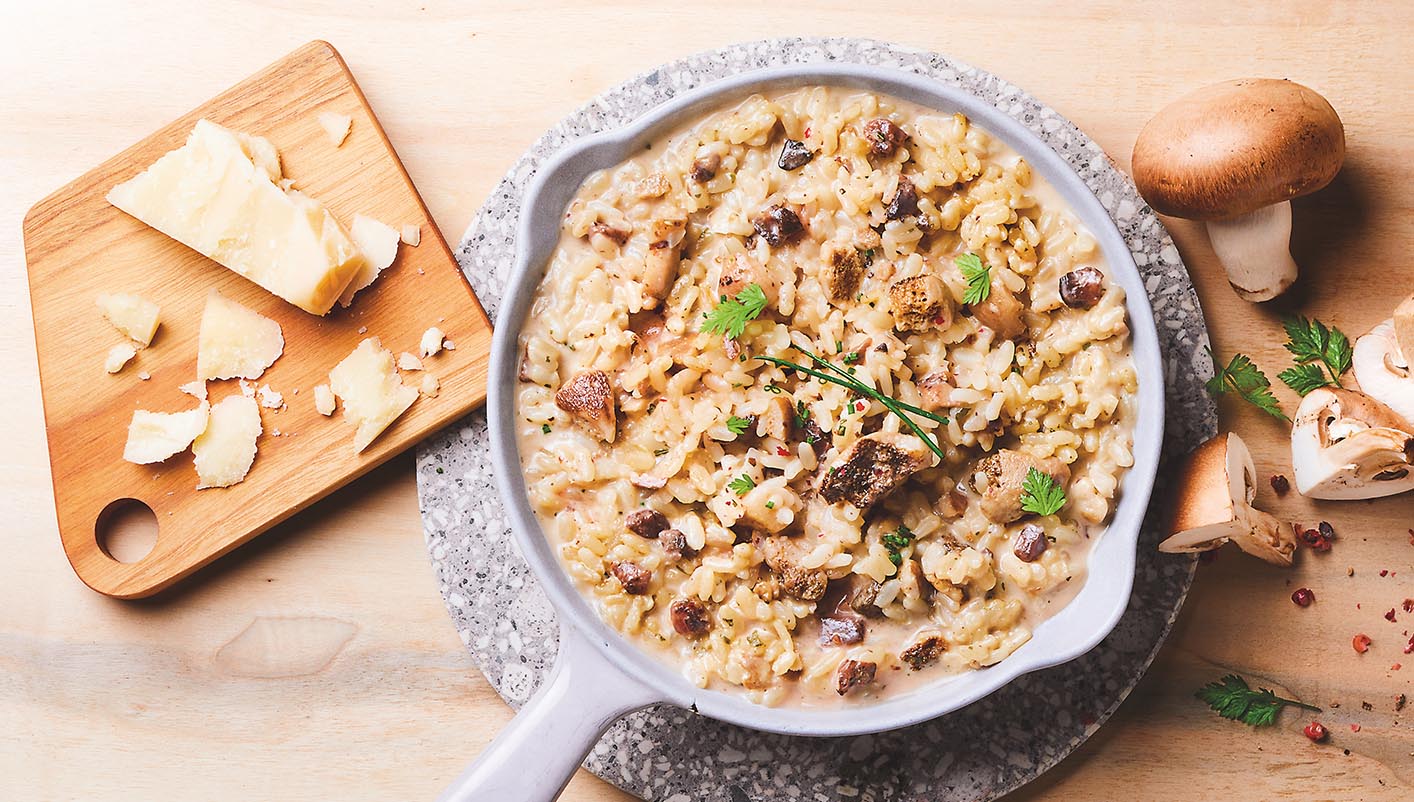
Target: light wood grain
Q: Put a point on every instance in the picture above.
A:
(77, 246)
(130, 701)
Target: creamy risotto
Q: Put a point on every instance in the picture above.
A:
(909, 507)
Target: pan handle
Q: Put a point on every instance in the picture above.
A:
(535, 756)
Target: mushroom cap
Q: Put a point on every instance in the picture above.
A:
(1231, 148)
(1208, 488)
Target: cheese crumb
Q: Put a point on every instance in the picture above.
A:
(195, 389)
(144, 375)
(235, 341)
(412, 235)
(225, 451)
(269, 398)
(429, 386)
(323, 400)
(449, 345)
(155, 436)
(119, 356)
(130, 314)
(371, 392)
(336, 126)
(407, 361)
(379, 243)
(431, 342)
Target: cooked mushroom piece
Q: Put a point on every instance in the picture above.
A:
(778, 225)
(744, 271)
(920, 303)
(660, 263)
(854, 674)
(1001, 312)
(589, 398)
(873, 467)
(842, 272)
(1233, 155)
(1347, 445)
(1384, 361)
(794, 155)
(999, 478)
(884, 136)
(783, 555)
(1214, 505)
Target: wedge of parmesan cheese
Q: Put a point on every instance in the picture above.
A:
(412, 235)
(118, 356)
(235, 341)
(336, 126)
(379, 244)
(372, 394)
(431, 343)
(220, 194)
(323, 400)
(225, 451)
(134, 316)
(155, 436)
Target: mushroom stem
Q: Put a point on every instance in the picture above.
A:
(1255, 249)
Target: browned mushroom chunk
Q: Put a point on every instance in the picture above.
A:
(873, 467)
(705, 168)
(601, 229)
(660, 263)
(675, 545)
(1082, 288)
(782, 554)
(863, 597)
(689, 618)
(920, 303)
(884, 136)
(936, 389)
(775, 419)
(1002, 475)
(646, 523)
(854, 674)
(794, 155)
(1001, 312)
(742, 272)
(633, 577)
(904, 203)
(1030, 543)
(588, 397)
(841, 630)
(923, 652)
(818, 439)
(844, 269)
(778, 225)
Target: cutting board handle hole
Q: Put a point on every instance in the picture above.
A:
(126, 530)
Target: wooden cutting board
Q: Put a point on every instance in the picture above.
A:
(77, 246)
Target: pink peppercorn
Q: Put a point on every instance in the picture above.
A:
(1303, 597)
(1316, 731)
(1361, 643)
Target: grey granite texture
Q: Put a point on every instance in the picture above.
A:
(670, 755)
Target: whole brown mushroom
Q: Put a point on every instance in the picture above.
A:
(1233, 155)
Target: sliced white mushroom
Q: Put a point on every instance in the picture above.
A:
(1214, 505)
(1384, 362)
(1347, 445)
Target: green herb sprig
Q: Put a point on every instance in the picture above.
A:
(731, 315)
(1041, 494)
(844, 379)
(1314, 345)
(737, 425)
(741, 485)
(978, 276)
(1233, 699)
(896, 541)
(1248, 381)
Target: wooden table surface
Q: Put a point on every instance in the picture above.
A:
(318, 661)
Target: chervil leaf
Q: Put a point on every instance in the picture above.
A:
(1304, 378)
(741, 485)
(1245, 379)
(1311, 341)
(1041, 494)
(802, 414)
(1232, 698)
(978, 276)
(731, 315)
(737, 425)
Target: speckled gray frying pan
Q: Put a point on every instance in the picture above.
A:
(983, 748)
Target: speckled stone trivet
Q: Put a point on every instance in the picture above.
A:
(666, 754)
